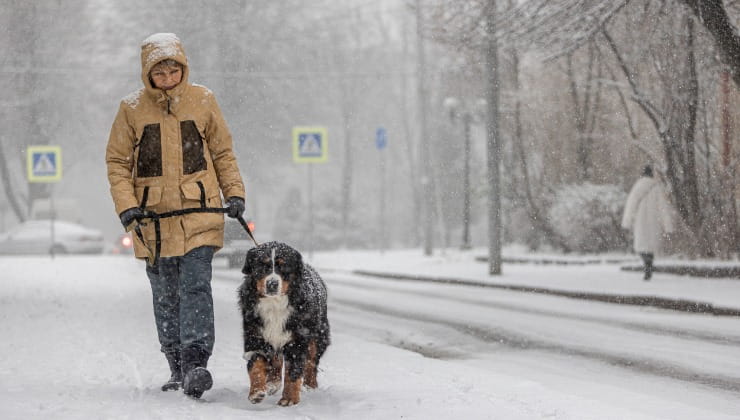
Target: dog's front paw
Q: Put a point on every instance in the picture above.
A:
(291, 392)
(311, 383)
(286, 402)
(257, 396)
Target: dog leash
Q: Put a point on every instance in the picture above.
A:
(156, 217)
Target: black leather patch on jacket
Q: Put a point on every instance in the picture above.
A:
(193, 159)
(149, 162)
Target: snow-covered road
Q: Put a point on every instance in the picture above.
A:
(695, 348)
(78, 342)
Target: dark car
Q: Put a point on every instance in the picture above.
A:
(236, 242)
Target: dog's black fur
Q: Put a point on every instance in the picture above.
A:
(305, 333)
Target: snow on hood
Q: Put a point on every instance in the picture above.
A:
(158, 47)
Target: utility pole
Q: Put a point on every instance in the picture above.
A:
(726, 118)
(380, 141)
(462, 109)
(493, 143)
(426, 181)
(727, 136)
(467, 120)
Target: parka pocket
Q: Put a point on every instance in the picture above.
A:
(148, 196)
(201, 194)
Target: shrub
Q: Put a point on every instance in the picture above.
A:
(588, 216)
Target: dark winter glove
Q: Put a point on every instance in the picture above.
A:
(236, 207)
(128, 216)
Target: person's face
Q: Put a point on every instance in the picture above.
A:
(166, 77)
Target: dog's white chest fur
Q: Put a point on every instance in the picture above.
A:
(274, 311)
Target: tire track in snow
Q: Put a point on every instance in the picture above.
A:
(501, 336)
(634, 326)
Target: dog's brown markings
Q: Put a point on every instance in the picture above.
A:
(258, 380)
(291, 390)
(309, 370)
(275, 374)
(284, 287)
(260, 286)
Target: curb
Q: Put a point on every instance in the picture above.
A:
(682, 305)
(559, 261)
(731, 272)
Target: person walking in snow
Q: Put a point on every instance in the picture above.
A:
(648, 214)
(170, 149)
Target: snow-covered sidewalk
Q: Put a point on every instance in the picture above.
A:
(78, 342)
(591, 278)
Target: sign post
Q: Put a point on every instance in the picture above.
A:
(381, 141)
(310, 145)
(3, 209)
(44, 164)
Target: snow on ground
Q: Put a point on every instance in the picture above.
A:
(599, 278)
(78, 342)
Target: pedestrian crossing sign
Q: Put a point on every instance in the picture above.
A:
(44, 163)
(310, 145)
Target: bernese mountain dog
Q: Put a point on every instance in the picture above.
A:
(283, 306)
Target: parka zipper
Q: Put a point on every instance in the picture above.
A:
(168, 106)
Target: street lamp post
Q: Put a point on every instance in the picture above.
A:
(493, 142)
(463, 111)
(467, 119)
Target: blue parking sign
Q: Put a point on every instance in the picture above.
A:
(381, 138)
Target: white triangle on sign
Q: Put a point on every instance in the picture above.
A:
(44, 165)
(311, 145)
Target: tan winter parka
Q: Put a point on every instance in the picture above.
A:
(170, 150)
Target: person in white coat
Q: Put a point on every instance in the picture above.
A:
(648, 214)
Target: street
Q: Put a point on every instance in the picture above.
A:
(79, 342)
(457, 322)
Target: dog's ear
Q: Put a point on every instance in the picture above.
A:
(247, 268)
(299, 263)
(299, 259)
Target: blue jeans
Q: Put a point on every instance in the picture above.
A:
(183, 304)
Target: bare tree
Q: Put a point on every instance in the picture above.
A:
(560, 26)
(412, 164)
(587, 106)
(24, 63)
(674, 117)
(8, 186)
(714, 15)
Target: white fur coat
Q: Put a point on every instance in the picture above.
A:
(648, 213)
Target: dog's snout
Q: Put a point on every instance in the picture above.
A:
(272, 285)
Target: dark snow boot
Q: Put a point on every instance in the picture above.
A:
(175, 381)
(196, 379)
